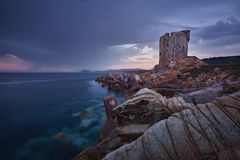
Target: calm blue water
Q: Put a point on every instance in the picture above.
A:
(40, 114)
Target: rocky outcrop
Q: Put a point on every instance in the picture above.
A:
(121, 81)
(151, 126)
(204, 131)
(185, 121)
(144, 109)
(110, 102)
(130, 83)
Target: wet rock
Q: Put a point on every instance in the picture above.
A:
(110, 102)
(121, 81)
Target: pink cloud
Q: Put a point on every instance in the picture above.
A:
(11, 62)
(145, 58)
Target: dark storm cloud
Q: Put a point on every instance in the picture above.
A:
(223, 28)
(78, 33)
(219, 39)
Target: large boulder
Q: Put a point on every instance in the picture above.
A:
(144, 109)
(151, 126)
(204, 131)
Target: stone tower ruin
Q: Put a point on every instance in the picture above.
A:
(173, 47)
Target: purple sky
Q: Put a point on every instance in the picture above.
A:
(70, 35)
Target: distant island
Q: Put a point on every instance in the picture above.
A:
(112, 71)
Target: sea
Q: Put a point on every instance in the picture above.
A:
(50, 116)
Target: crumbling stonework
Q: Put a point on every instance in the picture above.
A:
(173, 47)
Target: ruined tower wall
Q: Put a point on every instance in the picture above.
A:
(173, 47)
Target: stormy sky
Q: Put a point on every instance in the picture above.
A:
(70, 35)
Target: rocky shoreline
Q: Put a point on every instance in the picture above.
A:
(181, 106)
(192, 76)
(132, 125)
